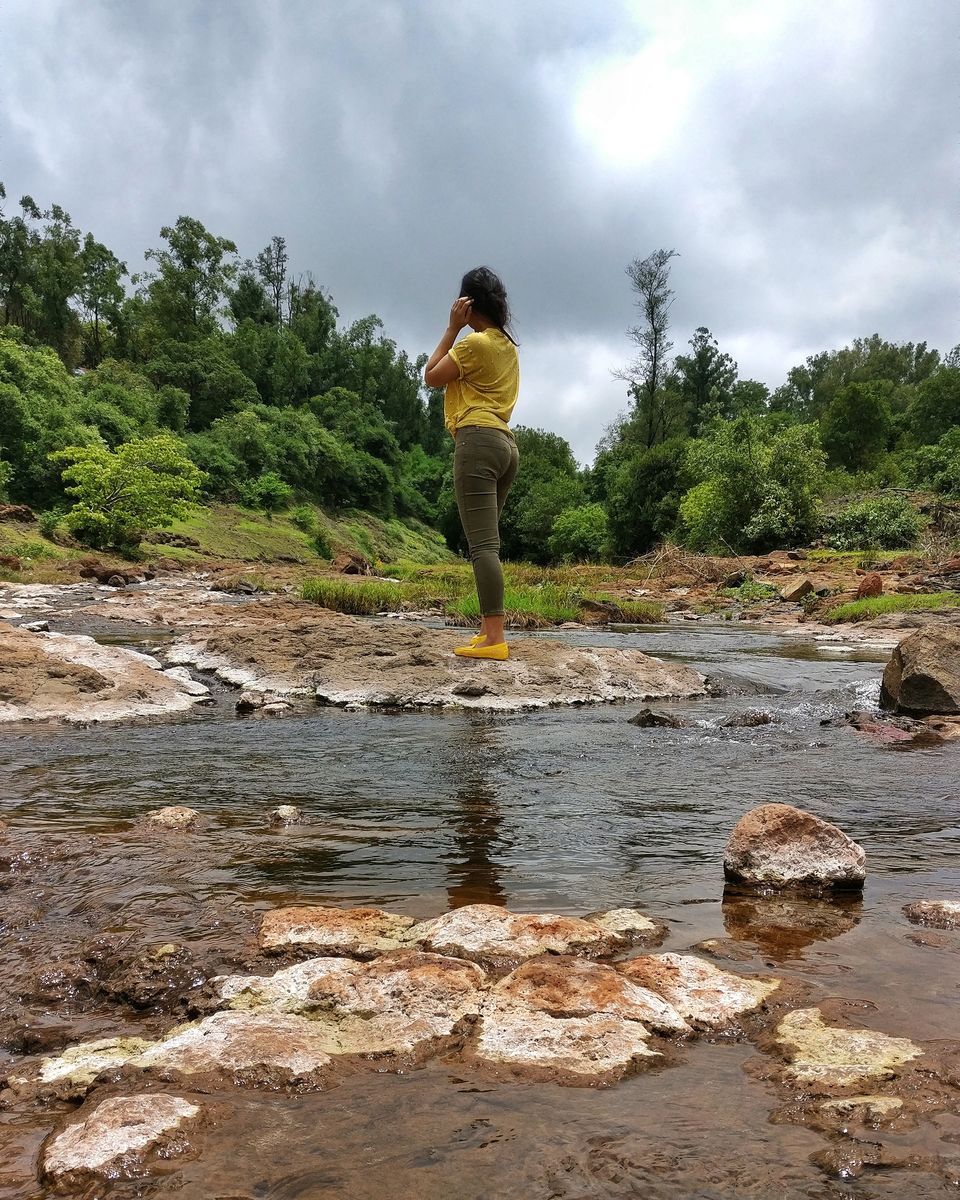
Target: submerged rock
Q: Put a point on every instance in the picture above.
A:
(750, 719)
(821, 1055)
(701, 993)
(355, 932)
(174, 816)
(941, 914)
(115, 1136)
(493, 936)
(646, 718)
(922, 677)
(629, 926)
(777, 846)
(287, 814)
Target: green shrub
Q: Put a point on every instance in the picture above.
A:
(268, 492)
(581, 534)
(750, 591)
(49, 521)
(322, 544)
(524, 607)
(938, 466)
(304, 518)
(884, 523)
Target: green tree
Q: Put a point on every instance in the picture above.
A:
(272, 272)
(101, 293)
(936, 405)
(120, 494)
(645, 494)
(646, 376)
(580, 534)
(192, 274)
(549, 481)
(856, 425)
(707, 379)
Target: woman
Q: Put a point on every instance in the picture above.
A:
(482, 377)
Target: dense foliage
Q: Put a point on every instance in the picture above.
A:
(124, 396)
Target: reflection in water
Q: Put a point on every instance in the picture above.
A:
(474, 878)
(782, 926)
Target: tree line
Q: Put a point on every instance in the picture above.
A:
(236, 378)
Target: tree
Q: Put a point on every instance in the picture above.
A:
(272, 269)
(191, 277)
(644, 496)
(707, 379)
(549, 482)
(856, 424)
(249, 301)
(101, 290)
(646, 375)
(119, 495)
(936, 405)
(580, 534)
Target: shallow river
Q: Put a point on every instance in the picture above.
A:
(563, 810)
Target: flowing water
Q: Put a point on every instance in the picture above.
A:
(568, 810)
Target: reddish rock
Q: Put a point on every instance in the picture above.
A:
(781, 847)
(352, 564)
(940, 914)
(922, 677)
(871, 585)
(16, 512)
(701, 993)
(355, 932)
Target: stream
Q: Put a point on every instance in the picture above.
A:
(566, 810)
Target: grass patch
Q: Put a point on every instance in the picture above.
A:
(750, 592)
(633, 612)
(863, 610)
(364, 597)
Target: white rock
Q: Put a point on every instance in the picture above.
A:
(174, 816)
(700, 992)
(941, 914)
(328, 930)
(193, 687)
(121, 1128)
(487, 933)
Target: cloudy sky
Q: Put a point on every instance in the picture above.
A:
(801, 155)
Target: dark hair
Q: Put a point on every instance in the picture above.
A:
(489, 298)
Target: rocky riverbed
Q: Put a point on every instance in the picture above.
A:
(456, 951)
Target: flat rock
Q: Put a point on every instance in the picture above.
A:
(941, 914)
(777, 846)
(646, 718)
(355, 932)
(561, 986)
(56, 677)
(703, 995)
(117, 1134)
(294, 648)
(401, 1003)
(81, 1064)
(873, 1109)
(825, 1055)
(599, 1048)
(493, 936)
(922, 677)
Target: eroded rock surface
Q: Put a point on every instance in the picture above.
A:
(826, 1055)
(55, 677)
(940, 914)
(777, 846)
(174, 816)
(490, 935)
(356, 932)
(701, 993)
(922, 677)
(115, 1136)
(292, 648)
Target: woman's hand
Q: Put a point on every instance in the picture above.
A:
(460, 313)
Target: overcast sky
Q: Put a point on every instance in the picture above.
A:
(801, 155)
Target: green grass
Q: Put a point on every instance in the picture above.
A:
(750, 591)
(364, 597)
(632, 612)
(524, 607)
(863, 610)
(860, 557)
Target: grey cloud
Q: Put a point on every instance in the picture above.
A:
(808, 185)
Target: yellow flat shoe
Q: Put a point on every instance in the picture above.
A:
(477, 637)
(499, 653)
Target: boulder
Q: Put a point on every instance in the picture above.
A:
(922, 677)
(354, 932)
(750, 719)
(821, 1055)
(796, 589)
(348, 563)
(703, 995)
(941, 914)
(646, 718)
(117, 1134)
(287, 814)
(777, 846)
(870, 585)
(16, 512)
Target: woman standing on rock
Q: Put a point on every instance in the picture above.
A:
(482, 377)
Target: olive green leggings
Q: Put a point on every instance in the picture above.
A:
(485, 464)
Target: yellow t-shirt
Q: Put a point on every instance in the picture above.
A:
(488, 385)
